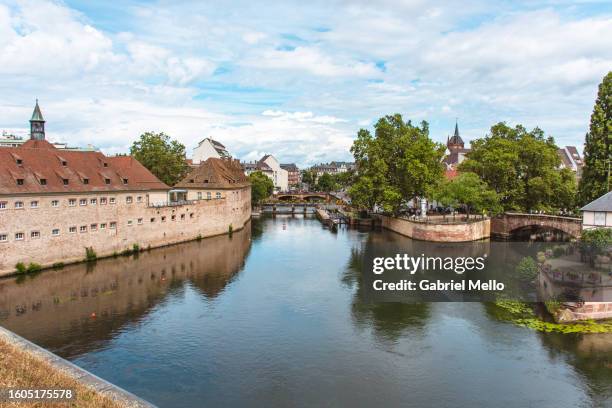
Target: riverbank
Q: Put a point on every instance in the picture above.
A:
(24, 365)
(436, 229)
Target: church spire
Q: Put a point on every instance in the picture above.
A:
(455, 142)
(37, 124)
(456, 130)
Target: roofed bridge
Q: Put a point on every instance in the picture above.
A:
(507, 224)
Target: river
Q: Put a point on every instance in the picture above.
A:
(274, 315)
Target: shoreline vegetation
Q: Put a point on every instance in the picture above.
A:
(21, 369)
(526, 314)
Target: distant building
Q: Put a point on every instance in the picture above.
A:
(37, 132)
(271, 167)
(294, 176)
(570, 159)
(598, 213)
(208, 148)
(455, 151)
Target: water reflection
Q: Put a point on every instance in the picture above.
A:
(78, 308)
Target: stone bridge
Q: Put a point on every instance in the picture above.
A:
(314, 196)
(505, 225)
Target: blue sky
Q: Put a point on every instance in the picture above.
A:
(298, 79)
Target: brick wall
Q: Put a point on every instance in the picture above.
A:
(135, 222)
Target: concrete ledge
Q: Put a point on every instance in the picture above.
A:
(442, 232)
(86, 378)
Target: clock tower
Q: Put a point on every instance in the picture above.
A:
(37, 124)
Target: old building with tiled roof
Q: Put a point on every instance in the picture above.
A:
(54, 203)
(570, 159)
(208, 148)
(455, 150)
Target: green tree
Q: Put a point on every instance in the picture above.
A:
(468, 191)
(163, 157)
(396, 164)
(595, 180)
(344, 180)
(261, 187)
(308, 177)
(522, 167)
(326, 183)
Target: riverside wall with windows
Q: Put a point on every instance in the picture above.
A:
(438, 232)
(57, 228)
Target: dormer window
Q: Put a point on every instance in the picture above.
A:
(107, 181)
(20, 182)
(125, 181)
(85, 181)
(43, 182)
(192, 181)
(19, 162)
(105, 164)
(64, 163)
(65, 181)
(205, 181)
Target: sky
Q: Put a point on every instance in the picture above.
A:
(298, 79)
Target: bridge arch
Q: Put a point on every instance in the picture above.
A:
(510, 224)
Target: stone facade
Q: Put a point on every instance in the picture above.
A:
(47, 229)
(443, 232)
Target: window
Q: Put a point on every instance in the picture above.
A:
(85, 181)
(72, 230)
(72, 202)
(3, 237)
(65, 181)
(139, 221)
(43, 182)
(128, 199)
(19, 162)
(164, 219)
(125, 181)
(2, 205)
(103, 226)
(173, 217)
(208, 195)
(182, 216)
(152, 219)
(34, 204)
(18, 204)
(105, 164)
(129, 223)
(83, 228)
(103, 201)
(599, 218)
(112, 200)
(19, 236)
(218, 195)
(55, 232)
(113, 225)
(54, 203)
(107, 181)
(20, 182)
(93, 227)
(199, 195)
(191, 215)
(139, 199)
(64, 163)
(83, 201)
(35, 234)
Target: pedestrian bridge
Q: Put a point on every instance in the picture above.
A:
(508, 224)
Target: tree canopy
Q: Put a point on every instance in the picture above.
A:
(326, 183)
(522, 167)
(595, 180)
(162, 156)
(261, 187)
(468, 191)
(396, 164)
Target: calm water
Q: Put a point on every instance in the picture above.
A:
(275, 316)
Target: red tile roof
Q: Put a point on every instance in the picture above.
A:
(215, 173)
(42, 169)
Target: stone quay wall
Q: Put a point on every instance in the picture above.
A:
(58, 228)
(438, 232)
